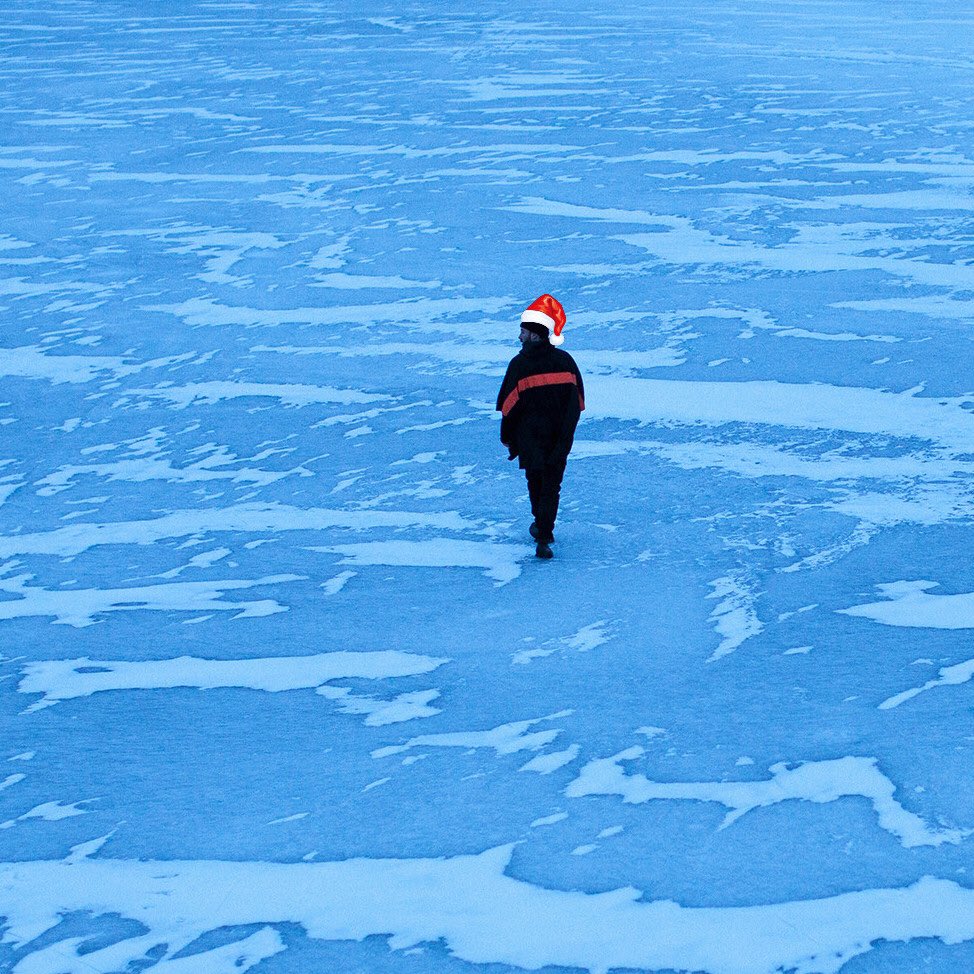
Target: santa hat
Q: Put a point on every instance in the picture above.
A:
(548, 312)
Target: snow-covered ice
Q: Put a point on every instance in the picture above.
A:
(284, 688)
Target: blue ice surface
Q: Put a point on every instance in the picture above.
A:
(288, 194)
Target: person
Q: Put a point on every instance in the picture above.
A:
(540, 402)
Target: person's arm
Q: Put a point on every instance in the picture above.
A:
(573, 411)
(507, 407)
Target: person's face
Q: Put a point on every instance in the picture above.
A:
(526, 336)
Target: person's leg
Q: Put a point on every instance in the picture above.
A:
(549, 494)
(535, 483)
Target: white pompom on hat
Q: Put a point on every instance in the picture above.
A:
(546, 311)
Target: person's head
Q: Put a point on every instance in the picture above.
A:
(543, 319)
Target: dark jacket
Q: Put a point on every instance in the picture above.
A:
(540, 401)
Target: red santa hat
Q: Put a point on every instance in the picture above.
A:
(548, 312)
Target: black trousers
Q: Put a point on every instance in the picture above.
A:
(544, 489)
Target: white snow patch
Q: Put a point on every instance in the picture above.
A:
(651, 732)
(539, 206)
(734, 617)
(754, 460)
(159, 467)
(12, 243)
(420, 458)
(549, 820)
(290, 818)
(115, 176)
(220, 248)
(9, 485)
(334, 585)
(815, 781)
(505, 739)
(434, 314)
(499, 561)
(804, 406)
(66, 679)
(910, 605)
(50, 812)
(589, 637)
(934, 306)
(288, 394)
(482, 916)
(837, 336)
(503, 150)
(354, 282)
(78, 607)
(239, 956)
(922, 489)
(950, 676)
(407, 706)
(814, 248)
(33, 362)
(927, 504)
(526, 655)
(19, 287)
(547, 763)
(488, 358)
(916, 199)
(203, 560)
(249, 517)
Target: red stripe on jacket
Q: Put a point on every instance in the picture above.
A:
(535, 382)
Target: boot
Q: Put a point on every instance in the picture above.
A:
(544, 550)
(533, 531)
